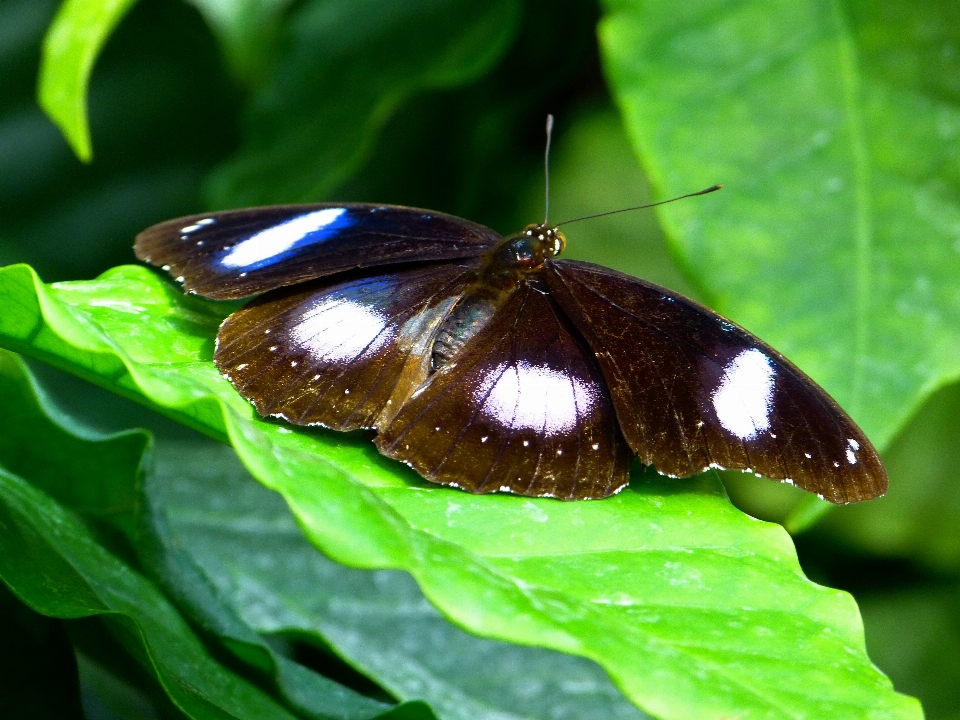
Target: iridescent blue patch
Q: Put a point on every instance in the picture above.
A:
(278, 242)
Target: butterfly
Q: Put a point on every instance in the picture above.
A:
(487, 363)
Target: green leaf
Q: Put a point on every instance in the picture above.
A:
(241, 539)
(53, 563)
(173, 562)
(46, 446)
(88, 471)
(693, 608)
(71, 46)
(835, 126)
(344, 68)
(925, 659)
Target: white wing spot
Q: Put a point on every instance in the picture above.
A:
(536, 397)
(744, 399)
(338, 330)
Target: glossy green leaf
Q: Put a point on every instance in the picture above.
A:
(342, 69)
(835, 127)
(70, 50)
(693, 608)
(241, 539)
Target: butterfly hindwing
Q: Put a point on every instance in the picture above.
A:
(523, 409)
(692, 390)
(239, 253)
(336, 353)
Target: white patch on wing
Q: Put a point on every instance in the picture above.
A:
(743, 400)
(534, 397)
(278, 239)
(336, 329)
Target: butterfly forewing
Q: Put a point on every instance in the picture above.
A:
(239, 253)
(524, 409)
(692, 390)
(338, 353)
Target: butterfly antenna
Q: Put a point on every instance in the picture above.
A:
(546, 168)
(712, 188)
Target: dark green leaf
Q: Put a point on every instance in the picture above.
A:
(172, 559)
(343, 68)
(915, 635)
(88, 472)
(918, 518)
(38, 672)
(53, 563)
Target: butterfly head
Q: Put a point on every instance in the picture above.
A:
(530, 248)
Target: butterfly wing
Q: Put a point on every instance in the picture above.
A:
(523, 409)
(692, 390)
(239, 253)
(337, 353)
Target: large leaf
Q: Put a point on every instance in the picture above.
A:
(693, 608)
(240, 550)
(835, 126)
(342, 70)
(70, 49)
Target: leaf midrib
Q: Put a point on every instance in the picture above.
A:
(863, 229)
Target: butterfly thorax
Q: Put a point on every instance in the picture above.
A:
(512, 262)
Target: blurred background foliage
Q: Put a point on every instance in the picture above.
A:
(195, 107)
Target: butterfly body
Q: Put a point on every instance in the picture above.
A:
(490, 364)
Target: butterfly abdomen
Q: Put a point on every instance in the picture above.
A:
(468, 317)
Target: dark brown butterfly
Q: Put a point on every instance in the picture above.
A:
(488, 364)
